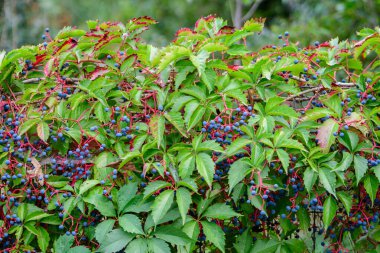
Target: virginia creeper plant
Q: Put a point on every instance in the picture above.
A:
(109, 144)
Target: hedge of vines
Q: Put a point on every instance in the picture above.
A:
(109, 144)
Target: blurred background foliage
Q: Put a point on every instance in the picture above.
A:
(23, 21)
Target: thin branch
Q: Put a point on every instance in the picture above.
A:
(37, 80)
(252, 10)
(303, 92)
(237, 19)
(337, 83)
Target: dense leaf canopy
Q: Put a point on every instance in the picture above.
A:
(109, 144)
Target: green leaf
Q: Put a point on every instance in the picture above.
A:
(346, 200)
(214, 234)
(196, 92)
(102, 229)
(57, 181)
(199, 61)
(186, 167)
(244, 242)
(284, 158)
(183, 197)
(67, 32)
(283, 110)
(309, 178)
(43, 239)
(175, 118)
(22, 211)
(115, 240)
(37, 215)
(350, 140)
(104, 159)
(265, 246)
(208, 78)
(172, 235)
(153, 187)
(2, 56)
(220, 211)
(100, 113)
(30, 226)
(290, 143)
(125, 195)
(238, 95)
(181, 75)
(236, 146)
(272, 103)
(161, 205)
(205, 167)
(197, 142)
(361, 167)
(325, 135)
(286, 225)
(196, 117)
(131, 223)
(158, 246)
(43, 131)
(191, 228)
(27, 125)
(303, 218)
(75, 134)
(87, 185)
(213, 47)
(345, 162)
(376, 170)
(128, 157)
(139, 245)
(333, 103)
(157, 128)
(257, 202)
(237, 172)
(101, 203)
(294, 245)
(329, 210)
(317, 113)
(211, 145)
(63, 244)
(171, 54)
(328, 179)
(79, 249)
(371, 185)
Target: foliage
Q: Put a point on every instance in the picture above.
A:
(22, 21)
(109, 144)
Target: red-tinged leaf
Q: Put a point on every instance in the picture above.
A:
(71, 42)
(157, 127)
(325, 134)
(226, 30)
(146, 20)
(254, 25)
(49, 66)
(43, 131)
(357, 120)
(141, 23)
(234, 67)
(39, 58)
(360, 43)
(98, 72)
(184, 32)
(201, 22)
